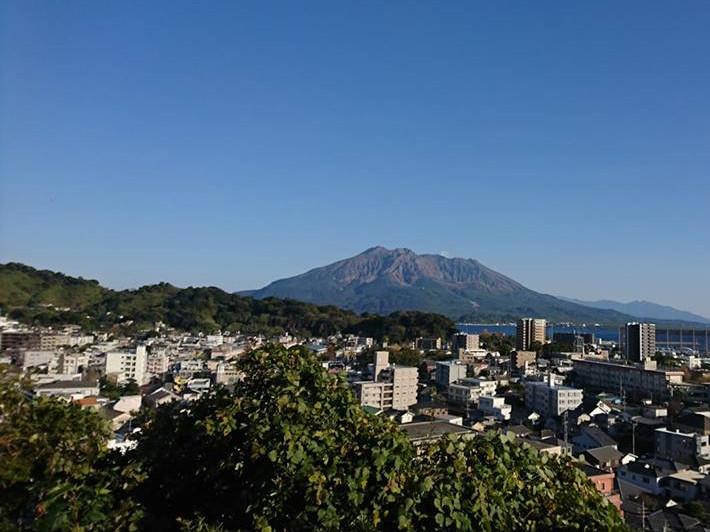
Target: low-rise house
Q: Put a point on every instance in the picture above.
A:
(606, 458)
(160, 396)
(603, 481)
(683, 486)
(69, 389)
(591, 437)
(646, 474)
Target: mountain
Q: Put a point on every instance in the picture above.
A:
(43, 297)
(384, 280)
(644, 310)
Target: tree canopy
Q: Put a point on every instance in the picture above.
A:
(290, 448)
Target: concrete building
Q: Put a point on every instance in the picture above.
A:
(529, 330)
(550, 400)
(32, 358)
(73, 363)
(467, 342)
(428, 344)
(157, 363)
(124, 366)
(638, 340)
(17, 340)
(449, 372)
(495, 406)
(521, 360)
(683, 447)
(467, 391)
(392, 387)
(638, 380)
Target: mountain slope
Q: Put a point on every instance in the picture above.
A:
(43, 297)
(643, 309)
(382, 280)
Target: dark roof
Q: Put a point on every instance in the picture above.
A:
(604, 454)
(590, 470)
(654, 467)
(599, 436)
(425, 430)
(663, 520)
(519, 430)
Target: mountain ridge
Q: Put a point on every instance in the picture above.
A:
(384, 280)
(643, 309)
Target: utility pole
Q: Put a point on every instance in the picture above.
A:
(633, 437)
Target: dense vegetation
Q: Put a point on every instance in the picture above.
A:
(48, 298)
(290, 448)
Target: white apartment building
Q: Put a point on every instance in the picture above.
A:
(548, 399)
(643, 380)
(73, 363)
(392, 387)
(449, 372)
(32, 358)
(157, 363)
(495, 406)
(467, 391)
(126, 366)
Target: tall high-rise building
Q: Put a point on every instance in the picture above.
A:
(638, 340)
(530, 330)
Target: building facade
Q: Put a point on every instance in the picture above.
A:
(125, 366)
(638, 341)
(639, 380)
(529, 330)
(550, 400)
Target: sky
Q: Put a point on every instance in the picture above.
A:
(564, 144)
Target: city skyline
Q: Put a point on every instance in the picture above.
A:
(232, 145)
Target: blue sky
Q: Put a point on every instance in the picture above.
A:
(565, 144)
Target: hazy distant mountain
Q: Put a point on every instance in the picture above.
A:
(384, 280)
(644, 309)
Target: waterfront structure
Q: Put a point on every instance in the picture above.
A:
(529, 330)
(548, 399)
(640, 380)
(392, 387)
(638, 340)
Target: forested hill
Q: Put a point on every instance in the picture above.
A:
(47, 298)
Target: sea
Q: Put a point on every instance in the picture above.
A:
(601, 333)
(695, 339)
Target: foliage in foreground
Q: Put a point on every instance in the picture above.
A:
(291, 449)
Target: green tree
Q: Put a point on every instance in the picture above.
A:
(292, 449)
(56, 473)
